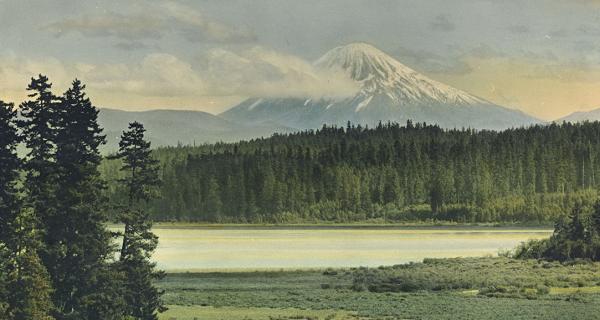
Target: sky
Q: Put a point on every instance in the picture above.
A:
(538, 56)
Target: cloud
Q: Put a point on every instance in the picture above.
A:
(482, 51)
(589, 2)
(442, 23)
(454, 60)
(130, 45)
(559, 33)
(263, 72)
(154, 22)
(218, 77)
(15, 73)
(589, 30)
(128, 27)
(429, 62)
(519, 29)
(195, 27)
(157, 75)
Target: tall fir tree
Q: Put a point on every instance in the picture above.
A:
(141, 180)
(24, 285)
(79, 246)
(9, 166)
(38, 126)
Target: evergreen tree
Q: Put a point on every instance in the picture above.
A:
(141, 179)
(24, 285)
(38, 125)
(27, 278)
(78, 245)
(9, 166)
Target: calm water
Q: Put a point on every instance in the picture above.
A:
(267, 248)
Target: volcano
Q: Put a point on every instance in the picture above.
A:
(388, 91)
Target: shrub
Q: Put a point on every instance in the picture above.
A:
(542, 290)
(330, 272)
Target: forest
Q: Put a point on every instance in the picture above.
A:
(390, 173)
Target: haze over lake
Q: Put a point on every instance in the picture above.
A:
(271, 248)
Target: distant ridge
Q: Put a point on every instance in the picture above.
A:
(172, 127)
(580, 116)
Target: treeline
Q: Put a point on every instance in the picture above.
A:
(414, 172)
(58, 259)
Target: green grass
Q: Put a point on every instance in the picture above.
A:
(528, 290)
(551, 290)
(237, 313)
(594, 289)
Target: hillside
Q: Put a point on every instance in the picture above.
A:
(173, 127)
(580, 116)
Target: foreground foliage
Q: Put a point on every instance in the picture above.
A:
(25, 288)
(57, 258)
(575, 237)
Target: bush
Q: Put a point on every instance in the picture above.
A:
(330, 272)
(542, 290)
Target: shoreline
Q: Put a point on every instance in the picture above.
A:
(375, 226)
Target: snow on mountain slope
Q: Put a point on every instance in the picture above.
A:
(379, 73)
(389, 91)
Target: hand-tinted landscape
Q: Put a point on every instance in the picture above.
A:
(184, 160)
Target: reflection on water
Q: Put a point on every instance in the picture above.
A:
(264, 248)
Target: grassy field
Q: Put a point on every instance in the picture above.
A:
(471, 288)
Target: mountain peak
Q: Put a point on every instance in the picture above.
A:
(360, 48)
(379, 73)
(361, 60)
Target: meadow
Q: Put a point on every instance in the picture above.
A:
(459, 288)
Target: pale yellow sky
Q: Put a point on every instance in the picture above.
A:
(536, 87)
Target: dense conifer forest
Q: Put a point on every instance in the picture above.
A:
(409, 172)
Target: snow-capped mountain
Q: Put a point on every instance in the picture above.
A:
(379, 73)
(389, 91)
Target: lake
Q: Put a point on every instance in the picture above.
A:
(253, 248)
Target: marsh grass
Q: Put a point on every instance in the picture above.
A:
(500, 276)
(469, 288)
